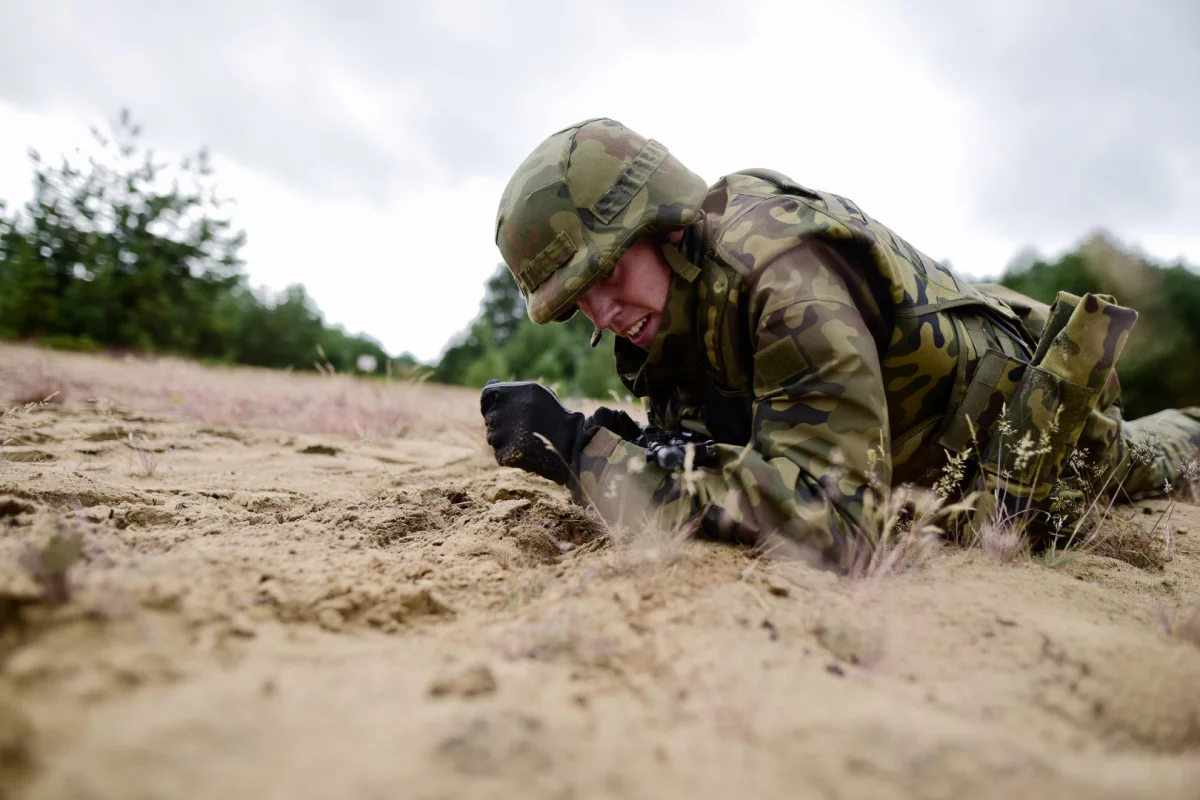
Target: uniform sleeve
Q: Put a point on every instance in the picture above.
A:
(819, 429)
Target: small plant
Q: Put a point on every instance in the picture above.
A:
(146, 455)
(38, 384)
(50, 563)
(21, 409)
(14, 415)
(1126, 541)
(1189, 480)
(1002, 538)
(1081, 512)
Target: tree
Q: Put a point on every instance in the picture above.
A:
(121, 253)
(502, 342)
(136, 254)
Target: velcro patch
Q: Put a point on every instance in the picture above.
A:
(778, 364)
(631, 181)
(543, 265)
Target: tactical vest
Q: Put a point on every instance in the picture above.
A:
(1039, 370)
(917, 284)
(982, 342)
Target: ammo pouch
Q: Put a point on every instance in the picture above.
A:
(1023, 420)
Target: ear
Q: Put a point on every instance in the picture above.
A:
(674, 237)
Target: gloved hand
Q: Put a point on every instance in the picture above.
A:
(618, 422)
(515, 413)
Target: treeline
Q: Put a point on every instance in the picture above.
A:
(503, 343)
(127, 253)
(1160, 367)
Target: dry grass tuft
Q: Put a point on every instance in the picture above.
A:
(654, 547)
(1189, 481)
(345, 405)
(1004, 544)
(905, 532)
(20, 411)
(906, 551)
(35, 381)
(1126, 540)
(146, 454)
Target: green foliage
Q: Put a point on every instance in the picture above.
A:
(503, 343)
(1158, 367)
(135, 254)
(1043, 281)
(115, 255)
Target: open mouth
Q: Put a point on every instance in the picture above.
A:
(642, 331)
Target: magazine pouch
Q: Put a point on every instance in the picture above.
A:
(1039, 426)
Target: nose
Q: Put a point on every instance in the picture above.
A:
(599, 308)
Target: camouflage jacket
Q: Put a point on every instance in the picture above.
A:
(823, 353)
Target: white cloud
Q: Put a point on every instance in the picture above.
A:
(367, 152)
(827, 97)
(409, 272)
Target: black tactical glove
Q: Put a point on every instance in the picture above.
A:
(618, 422)
(517, 413)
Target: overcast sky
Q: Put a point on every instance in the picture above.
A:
(367, 142)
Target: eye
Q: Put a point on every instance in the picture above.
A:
(612, 274)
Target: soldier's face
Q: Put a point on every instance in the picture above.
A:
(629, 302)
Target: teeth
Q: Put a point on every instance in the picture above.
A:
(636, 329)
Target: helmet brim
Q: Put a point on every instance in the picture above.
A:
(555, 299)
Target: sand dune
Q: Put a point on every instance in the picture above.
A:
(280, 597)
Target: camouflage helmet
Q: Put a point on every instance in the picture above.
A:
(578, 202)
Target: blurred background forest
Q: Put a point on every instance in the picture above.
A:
(124, 253)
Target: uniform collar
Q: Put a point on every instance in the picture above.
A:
(672, 355)
(686, 256)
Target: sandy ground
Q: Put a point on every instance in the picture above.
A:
(279, 613)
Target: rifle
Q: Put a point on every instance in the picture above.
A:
(668, 449)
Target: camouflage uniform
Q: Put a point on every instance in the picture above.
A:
(825, 355)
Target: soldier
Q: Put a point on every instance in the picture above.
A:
(804, 354)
